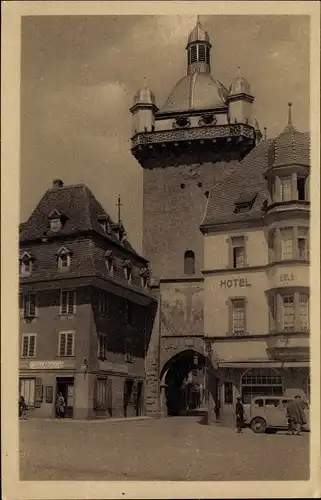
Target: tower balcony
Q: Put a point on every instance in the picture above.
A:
(193, 145)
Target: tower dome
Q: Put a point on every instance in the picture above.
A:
(144, 96)
(290, 147)
(198, 34)
(239, 85)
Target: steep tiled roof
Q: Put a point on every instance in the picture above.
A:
(81, 209)
(244, 180)
(290, 147)
(88, 260)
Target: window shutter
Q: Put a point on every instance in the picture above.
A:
(25, 346)
(32, 346)
(109, 402)
(69, 346)
(62, 344)
(95, 389)
(39, 388)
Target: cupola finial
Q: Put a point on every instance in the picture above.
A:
(289, 114)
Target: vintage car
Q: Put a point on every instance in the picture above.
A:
(269, 413)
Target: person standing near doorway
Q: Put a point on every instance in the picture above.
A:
(60, 406)
(239, 413)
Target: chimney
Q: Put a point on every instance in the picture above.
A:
(57, 183)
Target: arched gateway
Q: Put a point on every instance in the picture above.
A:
(188, 379)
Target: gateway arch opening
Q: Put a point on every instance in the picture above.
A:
(186, 379)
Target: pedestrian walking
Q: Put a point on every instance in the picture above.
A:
(60, 406)
(239, 412)
(295, 416)
(22, 408)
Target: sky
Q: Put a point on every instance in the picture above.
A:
(79, 75)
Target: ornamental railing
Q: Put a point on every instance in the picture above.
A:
(194, 133)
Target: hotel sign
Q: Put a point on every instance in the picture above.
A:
(235, 283)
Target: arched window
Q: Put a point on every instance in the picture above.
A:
(260, 382)
(189, 262)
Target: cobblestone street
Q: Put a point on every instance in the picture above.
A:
(165, 449)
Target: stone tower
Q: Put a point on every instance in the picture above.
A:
(185, 147)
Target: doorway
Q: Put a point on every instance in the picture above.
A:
(65, 386)
(185, 383)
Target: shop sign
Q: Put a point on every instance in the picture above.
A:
(50, 365)
(235, 283)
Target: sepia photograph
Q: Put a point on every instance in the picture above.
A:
(163, 247)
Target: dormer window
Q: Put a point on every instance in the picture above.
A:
(245, 203)
(104, 222)
(109, 259)
(25, 261)
(56, 220)
(145, 275)
(64, 258)
(128, 266)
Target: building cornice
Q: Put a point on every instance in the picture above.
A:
(263, 267)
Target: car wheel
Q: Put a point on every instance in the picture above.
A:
(258, 425)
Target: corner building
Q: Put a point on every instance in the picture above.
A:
(225, 227)
(85, 309)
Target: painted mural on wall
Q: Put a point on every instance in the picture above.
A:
(182, 310)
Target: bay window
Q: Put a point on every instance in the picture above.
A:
(287, 244)
(289, 312)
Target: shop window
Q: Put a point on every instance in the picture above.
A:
(28, 345)
(66, 344)
(300, 183)
(100, 396)
(67, 302)
(260, 382)
(29, 304)
(228, 393)
(27, 390)
(285, 188)
(103, 303)
(238, 316)
(287, 244)
(102, 346)
(288, 313)
(304, 312)
(189, 262)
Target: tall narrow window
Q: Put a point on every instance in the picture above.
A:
(238, 316)
(103, 303)
(288, 313)
(272, 313)
(66, 344)
(28, 345)
(201, 53)
(67, 302)
(286, 188)
(29, 304)
(128, 351)
(287, 244)
(102, 346)
(238, 252)
(301, 188)
(304, 312)
(303, 244)
(193, 54)
(189, 262)
(272, 246)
